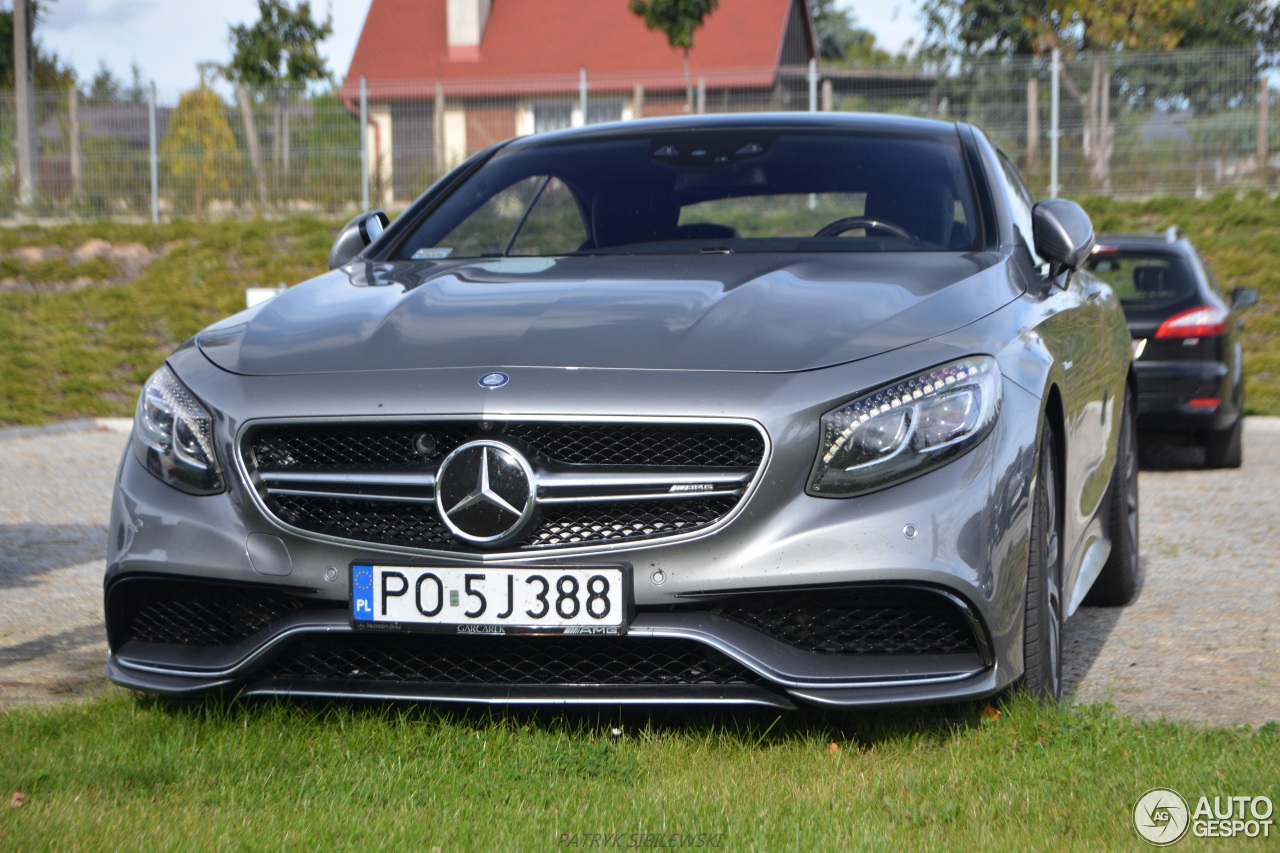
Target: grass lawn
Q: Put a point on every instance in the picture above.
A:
(115, 773)
(75, 351)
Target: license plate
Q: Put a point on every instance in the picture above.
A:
(491, 599)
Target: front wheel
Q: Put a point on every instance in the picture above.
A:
(1042, 636)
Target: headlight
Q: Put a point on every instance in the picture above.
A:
(907, 428)
(173, 436)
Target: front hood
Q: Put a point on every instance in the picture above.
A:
(759, 313)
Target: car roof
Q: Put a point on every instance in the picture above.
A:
(851, 122)
(1144, 241)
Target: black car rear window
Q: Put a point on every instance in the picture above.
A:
(1145, 279)
(718, 190)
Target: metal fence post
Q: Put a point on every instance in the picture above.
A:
(24, 101)
(364, 143)
(582, 93)
(155, 156)
(813, 85)
(73, 135)
(1264, 124)
(1054, 127)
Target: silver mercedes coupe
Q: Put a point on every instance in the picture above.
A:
(753, 410)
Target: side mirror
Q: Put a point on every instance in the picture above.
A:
(1063, 234)
(1244, 297)
(356, 235)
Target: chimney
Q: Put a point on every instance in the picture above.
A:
(466, 26)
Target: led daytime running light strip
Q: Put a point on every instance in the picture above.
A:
(930, 387)
(182, 404)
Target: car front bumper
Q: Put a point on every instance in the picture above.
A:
(955, 539)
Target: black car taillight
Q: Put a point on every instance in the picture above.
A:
(1205, 321)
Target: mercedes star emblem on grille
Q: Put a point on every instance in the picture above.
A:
(494, 380)
(485, 492)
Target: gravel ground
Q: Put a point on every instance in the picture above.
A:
(1201, 644)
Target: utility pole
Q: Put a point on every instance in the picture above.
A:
(22, 29)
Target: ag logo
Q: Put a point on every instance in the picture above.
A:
(1161, 816)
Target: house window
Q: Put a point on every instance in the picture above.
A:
(559, 116)
(552, 117)
(599, 111)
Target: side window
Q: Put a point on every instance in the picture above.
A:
(1020, 199)
(487, 231)
(534, 216)
(554, 226)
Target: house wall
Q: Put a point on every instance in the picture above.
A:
(455, 136)
(489, 125)
(655, 107)
(412, 148)
(380, 145)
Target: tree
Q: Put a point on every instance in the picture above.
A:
(1105, 32)
(136, 92)
(984, 28)
(50, 71)
(678, 19)
(280, 48)
(105, 87)
(200, 150)
(841, 40)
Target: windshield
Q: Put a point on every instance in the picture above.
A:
(718, 191)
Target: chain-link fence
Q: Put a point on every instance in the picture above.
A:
(1133, 124)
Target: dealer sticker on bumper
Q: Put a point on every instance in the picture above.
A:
(491, 599)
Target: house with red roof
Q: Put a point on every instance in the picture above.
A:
(446, 78)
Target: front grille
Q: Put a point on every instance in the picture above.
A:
(707, 445)
(388, 522)
(847, 622)
(579, 524)
(413, 526)
(374, 481)
(194, 614)
(281, 447)
(867, 621)
(444, 659)
(377, 445)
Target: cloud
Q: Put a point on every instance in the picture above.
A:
(75, 14)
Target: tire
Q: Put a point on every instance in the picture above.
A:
(1042, 635)
(1117, 584)
(1224, 448)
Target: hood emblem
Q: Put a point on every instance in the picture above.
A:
(494, 380)
(485, 492)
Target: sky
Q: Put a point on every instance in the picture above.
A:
(167, 38)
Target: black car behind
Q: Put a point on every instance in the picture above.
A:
(1186, 339)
